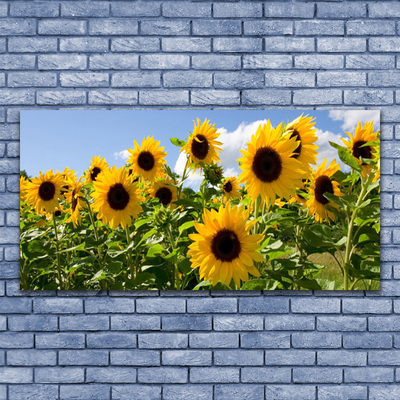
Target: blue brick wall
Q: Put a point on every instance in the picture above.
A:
(199, 54)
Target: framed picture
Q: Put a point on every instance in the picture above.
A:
(200, 200)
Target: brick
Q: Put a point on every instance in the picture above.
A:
(61, 61)
(342, 78)
(212, 305)
(238, 357)
(381, 392)
(238, 80)
(263, 375)
(370, 28)
(369, 62)
(126, 97)
(136, 79)
(113, 27)
(32, 323)
(109, 306)
(239, 392)
(319, 61)
(17, 26)
(164, 61)
(367, 341)
(184, 79)
(342, 358)
(193, 45)
(321, 340)
(289, 323)
(65, 97)
(383, 78)
(135, 44)
(320, 305)
(135, 357)
(179, 98)
(60, 375)
(98, 392)
(162, 375)
(216, 62)
(239, 10)
(83, 357)
(367, 306)
(382, 10)
(31, 357)
(267, 61)
(16, 375)
(110, 375)
(111, 340)
(179, 392)
(384, 357)
(214, 97)
(345, 392)
(269, 27)
(179, 9)
(216, 27)
(241, 323)
(214, 340)
(320, 96)
(341, 11)
(83, 79)
(264, 305)
(289, 79)
(135, 9)
(214, 375)
(290, 357)
(32, 391)
(186, 357)
(260, 340)
(387, 44)
(87, 45)
(32, 45)
(187, 323)
(84, 323)
(163, 340)
(237, 45)
(341, 323)
(57, 306)
(135, 322)
(268, 97)
(136, 392)
(317, 375)
(289, 392)
(92, 9)
(386, 323)
(341, 45)
(16, 61)
(319, 27)
(113, 61)
(61, 27)
(32, 79)
(16, 340)
(368, 97)
(288, 10)
(368, 375)
(42, 9)
(165, 28)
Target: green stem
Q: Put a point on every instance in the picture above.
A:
(183, 178)
(60, 279)
(129, 260)
(174, 264)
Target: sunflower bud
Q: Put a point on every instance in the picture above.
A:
(162, 217)
(213, 174)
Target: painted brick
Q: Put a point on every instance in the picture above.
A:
(239, 392)
(367, 341)
(109, 306)
(61, 27)
(135, 9)
(186, 323)
(242, 323)
(83, 79)
(31, 357)
(179, 392)
(319, 61)
(216, 27)
(136, 392)
(16, 340)
(57, 97)
(165, 28)
(342, 358)
(366, 306)
(135, 322)
(110, 375)
(345, 392)
(241, 10)
(288, 10)
(289, 392)
(135, 44)
(214, 340)
(92, 9)
(289, 323)
(260, 340)
(164, 61)
(319, 27)
(16, 375)
(320, 305)
(98, 392)
(177, 97)
(163, 375)
(380, 45)
(215, 62)
(60, 375)
(264, 305)
(135, 357)
(163, 340)
(289, 357)
(214, 375)
(32, 45)
(341, 11)
(238, 357)
(214, 97)
(57, 306)
(17, 61)
(111, 340)
(369, 62)
(186, 357)
(84, 323)
(42, 9)
(341, 323)
(382, 10)
(113, 27)
(320, 340)
(237, 45)
(32, 79)
(83, 357)
(341, 45)
(384, 357)
(87, 45)
(186, 10)
(61, 61)
(32, 323)
(32, 391)
(289, 79)
(17, 26)
(185, 79)
(113, 61)
(263, 375)
(270, 97)
(367, 28)
(269, 27)
(193, 45)
(368, 375)
(342, 78)
(125, 97)
(315, 375)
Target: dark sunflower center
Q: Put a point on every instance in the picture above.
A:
(267, 164)
(146, 160)
(164, 194)
(363, 152)
(200, 147)
(117, 197)
(57, 213)
(297, 150)
(94, 173)
(225, 245)
(74, 201)
(227, 187)
(323, 185)
(47, 191)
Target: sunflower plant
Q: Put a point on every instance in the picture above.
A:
(284, 223)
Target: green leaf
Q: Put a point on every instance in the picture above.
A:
(75, 248)
(202, 284)
(254, 284)
(154, 249)
(346, 157)
(310, 284)
(177, 142)
(185, 226)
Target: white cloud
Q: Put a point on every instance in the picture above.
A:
(194, 179)
(351, 117)
(326, 150)
(124, 154)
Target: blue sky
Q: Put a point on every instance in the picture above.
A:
(55, 139)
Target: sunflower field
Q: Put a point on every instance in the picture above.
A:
(285, 223)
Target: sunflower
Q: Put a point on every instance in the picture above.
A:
(43, 192)
(268, 167)
(165, 191)
(22, 188)
(68, 175)
(74, 197)
(223, 249)
(115, 198)
(148, 159)
(322, 183)
(356, 145)
(230, 188)
(58, 211)
(300, 193)
(302, 129)
(202, 145)
(97, 166)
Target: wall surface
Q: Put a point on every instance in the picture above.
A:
(243, 54)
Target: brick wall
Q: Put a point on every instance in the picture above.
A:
(198, 54)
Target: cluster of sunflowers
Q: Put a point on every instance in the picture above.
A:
(238, 229)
